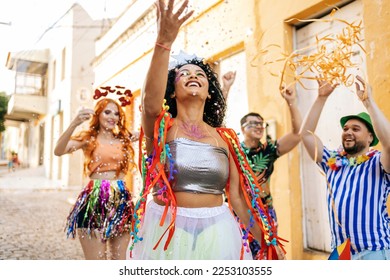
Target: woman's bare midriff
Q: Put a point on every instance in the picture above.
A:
(107, 175)
(195, 200)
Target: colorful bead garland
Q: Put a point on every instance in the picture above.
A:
(339, 159)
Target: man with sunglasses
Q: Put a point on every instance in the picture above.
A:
(262, 155)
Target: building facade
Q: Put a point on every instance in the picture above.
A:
(52, 83)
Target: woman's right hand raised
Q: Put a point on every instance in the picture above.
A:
(168, 22)
(83, 115)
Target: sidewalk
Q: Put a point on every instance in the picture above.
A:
(27, 178)
(33, 211)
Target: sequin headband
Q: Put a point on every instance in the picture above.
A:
(125, 99)
(183, 58)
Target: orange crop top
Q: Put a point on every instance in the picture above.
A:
(106, 157)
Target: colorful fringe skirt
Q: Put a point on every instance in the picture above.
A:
(209, 233)
(104, 206)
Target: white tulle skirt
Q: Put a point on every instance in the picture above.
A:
(200, 234)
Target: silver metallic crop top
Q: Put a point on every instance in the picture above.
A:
(201, 167)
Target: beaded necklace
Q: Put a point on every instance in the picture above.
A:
(339, 159)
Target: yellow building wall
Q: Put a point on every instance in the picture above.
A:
(376, 18)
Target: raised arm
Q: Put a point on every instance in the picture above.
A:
(168, 25)
(311, 142)
(227, 81)
(287, 142)
(65, 144)
(379, 121)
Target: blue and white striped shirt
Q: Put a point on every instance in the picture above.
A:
(357, 195)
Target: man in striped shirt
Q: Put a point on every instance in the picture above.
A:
(358, 177)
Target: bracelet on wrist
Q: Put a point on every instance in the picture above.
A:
(163, 46)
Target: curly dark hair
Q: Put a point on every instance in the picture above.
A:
(215, 107)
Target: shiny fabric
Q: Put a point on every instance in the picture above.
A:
(158, 177)
(201, 167)
(102, 205)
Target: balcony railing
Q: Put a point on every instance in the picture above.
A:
(29, 99)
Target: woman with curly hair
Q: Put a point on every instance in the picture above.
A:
(102, 213)
(190, 161)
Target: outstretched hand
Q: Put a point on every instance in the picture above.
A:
(168, 22)
(325, 88)
(364, 92)
(83, 115)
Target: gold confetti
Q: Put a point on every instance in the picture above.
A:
(330, 61)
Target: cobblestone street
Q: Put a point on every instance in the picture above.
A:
(32, 218)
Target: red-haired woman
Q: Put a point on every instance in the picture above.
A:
(103, 210)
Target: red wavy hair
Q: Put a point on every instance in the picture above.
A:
(120, 132)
